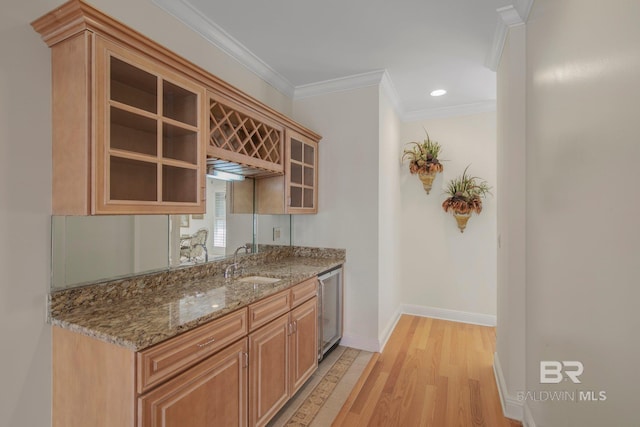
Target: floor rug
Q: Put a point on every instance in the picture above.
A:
(316, 394)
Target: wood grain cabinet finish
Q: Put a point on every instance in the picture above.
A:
(268, 370)
(304, 291)
(128, 132)
(268, 309)
(213, 375)
(93, 382)
(150, 138)
(162, 361)
(284, 352)
(132, 122)
(213, 393)
(303, 344)
(245, 136)
(297, 191)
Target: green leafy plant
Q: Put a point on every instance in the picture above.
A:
(423, 157)
(465, 194)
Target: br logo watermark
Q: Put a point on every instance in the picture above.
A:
(554, 371)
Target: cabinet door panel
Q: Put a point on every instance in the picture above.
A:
(301, 185)
(212, 393)
(268, 370)
(149, 135)
(303, 343)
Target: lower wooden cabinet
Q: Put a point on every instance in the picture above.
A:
(283, 355)
(303, 344)
(214, 375)
(268, 370)
(213, 393)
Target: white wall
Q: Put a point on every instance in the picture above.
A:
(348, 200)
(510, 339)
(441, 267)
(389, 218)
(25, 209)
(265, 226)
(25, 184)
(583, 99)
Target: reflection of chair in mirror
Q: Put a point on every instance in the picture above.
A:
(193, 248)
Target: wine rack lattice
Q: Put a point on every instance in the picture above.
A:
(234, 131)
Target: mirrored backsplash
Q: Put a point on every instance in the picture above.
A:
(90, 249)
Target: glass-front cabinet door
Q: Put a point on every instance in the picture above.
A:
(150, 148)
(302, 174)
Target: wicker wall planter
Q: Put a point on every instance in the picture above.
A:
(465, 197)
(423, 161)
(427, 180)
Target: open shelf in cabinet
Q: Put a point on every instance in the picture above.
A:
(154, 140)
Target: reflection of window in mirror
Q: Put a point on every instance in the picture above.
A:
(220, 221)
(210, 236)
(201, 238)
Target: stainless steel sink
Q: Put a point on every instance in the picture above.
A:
(262, 280)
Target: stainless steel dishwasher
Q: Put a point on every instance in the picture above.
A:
(330, 311)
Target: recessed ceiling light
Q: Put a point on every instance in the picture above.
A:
(438, 92)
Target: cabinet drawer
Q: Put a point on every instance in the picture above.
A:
(166, 359)
(212, 393)
(268, 309)
(303, 291)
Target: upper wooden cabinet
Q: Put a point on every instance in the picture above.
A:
(128, 129)
(297, 191)
(245, 137)
(302, 177)
(149, 136)
(133, 124)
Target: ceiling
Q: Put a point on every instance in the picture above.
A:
(411, 46)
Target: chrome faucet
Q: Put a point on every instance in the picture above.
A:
(227, 273)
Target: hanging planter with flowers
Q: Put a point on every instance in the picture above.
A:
(423, 160)
(465, 197)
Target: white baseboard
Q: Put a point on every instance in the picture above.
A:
(528, 417)
(447, 314)
(376, 345)
(386, 333)
(359, 342)
(511, 407)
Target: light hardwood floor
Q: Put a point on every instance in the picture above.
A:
(431, 373)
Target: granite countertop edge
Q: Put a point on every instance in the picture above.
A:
(137, 323)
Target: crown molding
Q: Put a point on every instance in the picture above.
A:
(523, 7)
(382, 79)
(189, 15)
(339, 84)
(389, 88)
(379, 78)
(183, 11)
(509, 16)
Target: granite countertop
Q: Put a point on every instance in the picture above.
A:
(146, 318)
